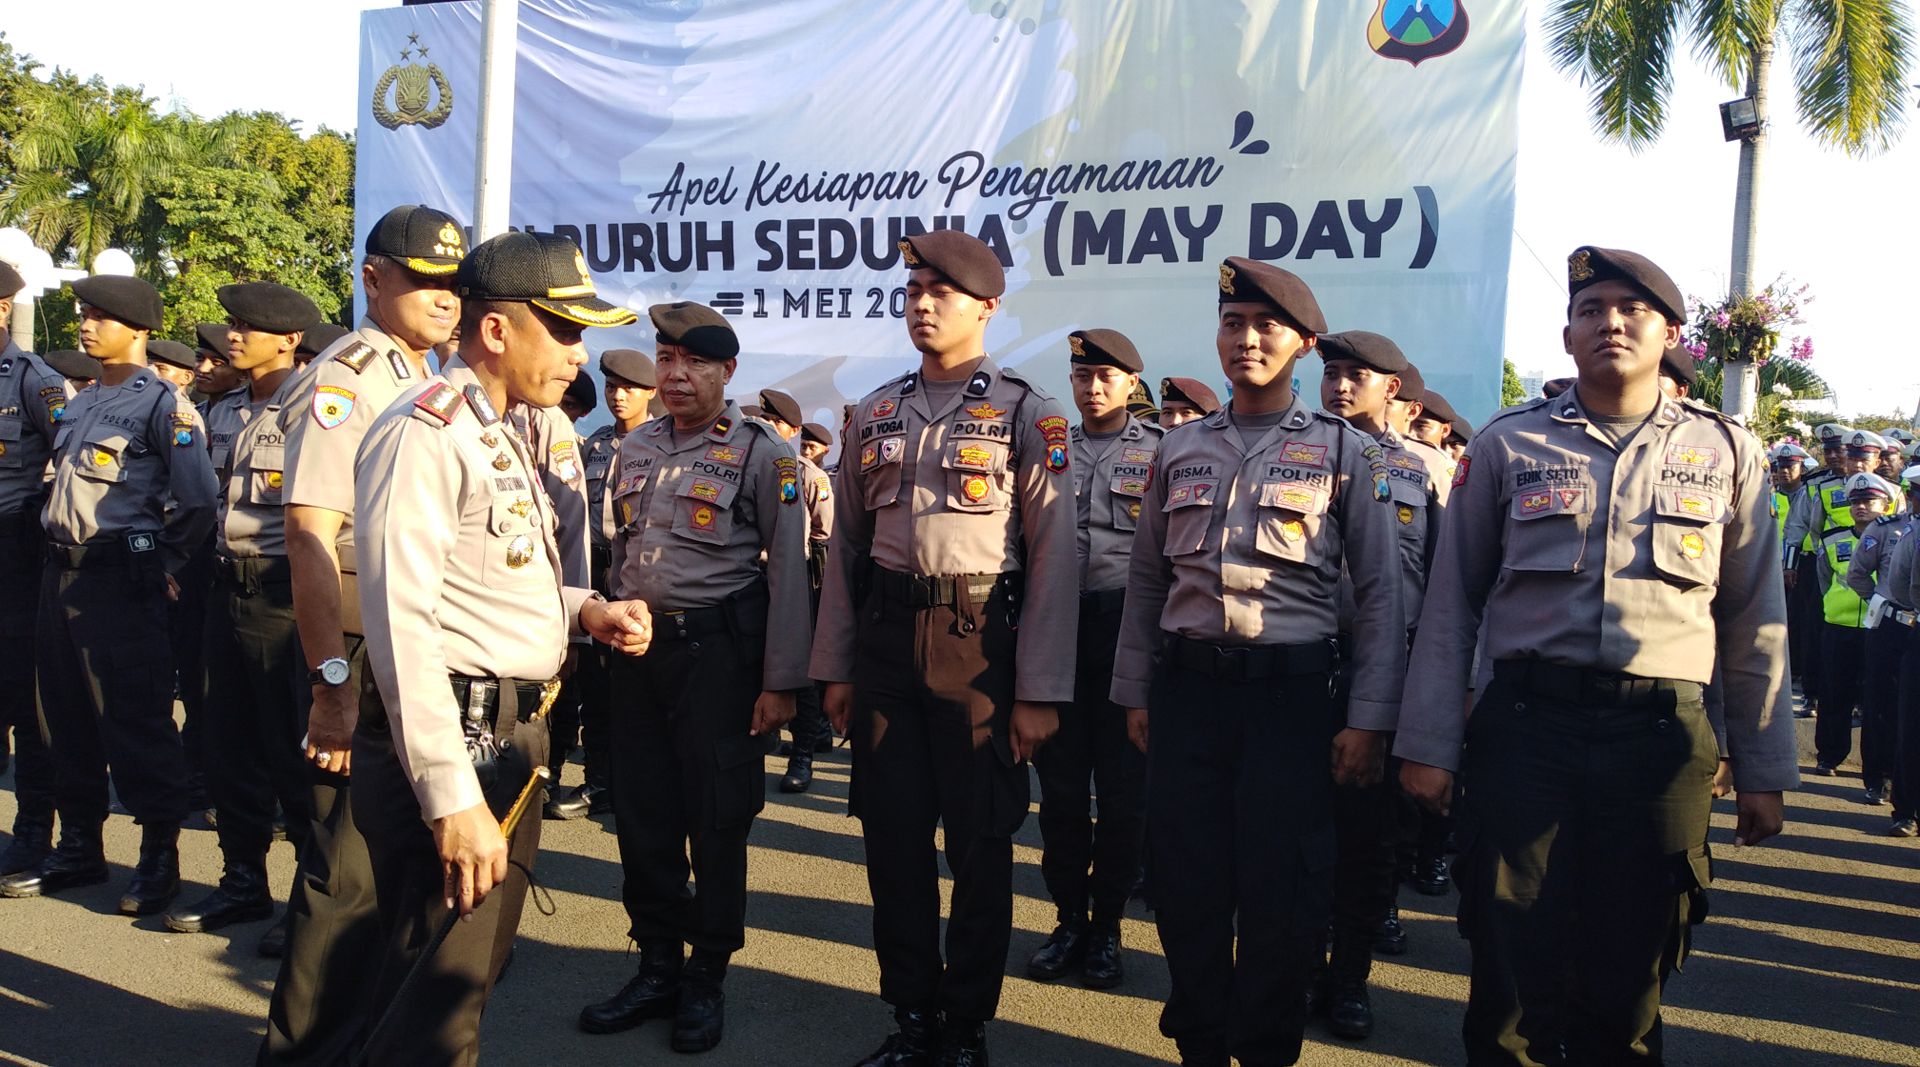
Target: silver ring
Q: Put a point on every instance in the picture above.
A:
(323, 758)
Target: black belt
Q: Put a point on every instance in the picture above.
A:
(1247, 663)
(115, 553)
(1103, 601)
(1582, 685)
(688, 624)
(939, 590)
(479, 698)
(250, 572)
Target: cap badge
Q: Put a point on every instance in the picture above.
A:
(449, 241)
(907, 254)
(1076, 346)
(1580, 266)
(1226, 281)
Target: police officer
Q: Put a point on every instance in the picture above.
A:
(1458, 440)
(956, 522)
(579, 400)
(178, 366)
(466, 623)
(1809, 516)
(1616, 545)
(1436, 419)
(1844, 614)
(811, 733)
(250, 644)
(213, 376)
(815, 442)
(1679, 373)
(174, 363)
(316, 339)
(1091, 868)
(1184, 400)
(1880, 574)
(1361, 375)
(1906, 741)
(701, 496)
(126, 446)
(32, 398)
(319, 1000)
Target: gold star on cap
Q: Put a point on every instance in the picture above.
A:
(450, 241)
(1226, 279)
(1580, 266)
(906, 253)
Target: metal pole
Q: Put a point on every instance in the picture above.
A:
(1740, 378)
(493, 174)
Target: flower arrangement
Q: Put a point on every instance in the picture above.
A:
(1750, 327)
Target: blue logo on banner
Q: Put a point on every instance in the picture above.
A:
(1417, 30)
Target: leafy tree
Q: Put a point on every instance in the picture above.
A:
(225, 226)
(1511, 391)
(1783, 383)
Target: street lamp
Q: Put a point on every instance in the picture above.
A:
(1740, 119)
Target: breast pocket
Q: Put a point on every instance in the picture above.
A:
(703, 509)
(514, 538)
(1189, 518)
(1688, 528)
(880, 469)
(1288, 526)
(103, 455)
(1127, 491)
(1410, 518)
(10, 430)
(1547, 529)
(977, 478)
(269, 475)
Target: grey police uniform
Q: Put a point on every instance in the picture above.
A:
(696, 512)
(1610, 579)
(1880, 568)
(955, 522)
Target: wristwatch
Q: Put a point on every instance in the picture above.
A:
(330, 672)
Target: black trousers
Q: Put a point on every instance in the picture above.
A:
(1090, 864)
(1886, 656)
(106, 689)
(22, 555)
(322, 997)
(1240, 835)
(255, 715)
(436, 1021)
(1583, 864)
(687, 781)
(1805, 614)
(186, 621)
(1843, 662)
(932, 706)
(1906, 761)
(580, 714)
(809, 713)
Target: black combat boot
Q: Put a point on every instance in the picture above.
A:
(240, 897)
(1390, 939)
(1102, 969)
(1349, 1011)
(273, 941)
(963, 1043)
(156, 879)
(1066, 947)
(80, 860)
(32, 842)
(799, 774)
(915, 1044)
(701, 1016)
(652, 994)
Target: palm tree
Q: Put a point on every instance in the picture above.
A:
(1850, 64)
(1782, 381)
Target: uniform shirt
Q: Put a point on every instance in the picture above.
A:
(1659, 561)
(816, 492)
(1243, 538)
(1806, 518)
(1839, 604)
(696, 512)
(1879, 566)
(1109, 481)
(249, 461)
(601, 450)
(327, 416)
(122, 454)
(975, 484)
(1421, 479)
(459, 574)
(32, 398)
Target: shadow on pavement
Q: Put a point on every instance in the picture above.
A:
(64, 1020)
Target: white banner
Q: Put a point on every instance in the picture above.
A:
(763, 156)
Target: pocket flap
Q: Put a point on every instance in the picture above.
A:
(708, 490)
(1409, 493)
(10, 428)
(1294, 496)
(985, 457)
(269, 458)
(510, 514)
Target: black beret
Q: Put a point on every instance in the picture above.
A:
(542, 269)
(73, 364)
(1375, 351)
(268, 306)
(10, 281)
(1191, 390)
(1462, 429)
(818, 434)
(1104, 348)
(1250, 281)
(172, 352)
(630, 366)
(1435, 406)
(212, 337)
(582, 392)
(695, 327)
(1554, 387)
(1590, 266)
(422, 239)
(1677, 363)
(319, 337)
(131, 300)
(1413, 388)
(963, 258)
(782, 407)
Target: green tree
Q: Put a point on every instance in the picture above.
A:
(224, 226)
(1511, 391)
(1783, 382)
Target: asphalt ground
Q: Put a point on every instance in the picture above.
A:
(1809, 959)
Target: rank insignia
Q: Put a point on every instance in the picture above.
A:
(703, 517)
(1301, 452)
(892, 448)
(398, 362)
(442, 402)
(357, 357)
(883, 408)
(521, 507)
(973, 457)
(974, 489)
(789, 471)
(1293, 529)
(984, 410)
(705, 490)
(726, 454)
(1405, 515)
(1693, 545)
(979, 384)
(519, 551)
(501, 462)
(482, 406)
(722, 426)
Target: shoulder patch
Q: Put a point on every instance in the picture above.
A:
(788, 469)
(357, 357)
(1460, 471)
(1377, 464)
(1053, 429)
(440, 403)
(331, 405)
(564, 460)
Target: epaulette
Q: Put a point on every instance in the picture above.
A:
(1015, 377)
(1888, 519)
(357, 356)
(439, 404)
(1525, 405)
(1153, 428)
(890, 387)
(766, 430)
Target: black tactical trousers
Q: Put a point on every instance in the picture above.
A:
(255, 709)
(22, 552)
(322, 996)
(932, 706)
(1843, 663)
(106, 688)
(1088, 864)
(435, 1021)
(1880, 713)
(1804, 612)
(810, 715)
(687, 777)
(1583, 864)
(1906, 758)
(1240, 835)
(186, 625)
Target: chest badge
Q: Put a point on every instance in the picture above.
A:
(102, 458)
(1406, 515)
(1293, 529)
(984, 410)
(275, 479)
(1693, 545)
(519, 551)
(501, 462)
(521, 507)
(883, 408)
(1133, 510)
(974, 489)
(703, 517)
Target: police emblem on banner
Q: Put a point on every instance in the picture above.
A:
(412, 95)
(1416, 30)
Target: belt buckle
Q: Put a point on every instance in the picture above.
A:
(1230, 662)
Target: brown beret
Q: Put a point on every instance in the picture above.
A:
(1103, 348)
(629, 365)
(1462, 429)
(1244, 280)
(319, 337)
(1413, 388)
(781, 406)
(172, 352)
(1360, 346)
(753, 411)
(1590, 266)
(131, 300)
(1191, 390)
(963, 258)
(1436, 407)
(818, 434)
(695, 327)
(10, 282)
(1677, 363)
